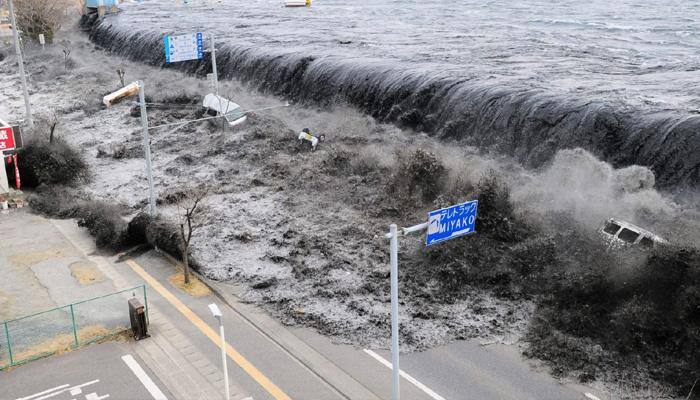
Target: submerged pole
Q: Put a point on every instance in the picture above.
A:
(215, 74)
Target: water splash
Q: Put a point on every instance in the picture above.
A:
(530, 125)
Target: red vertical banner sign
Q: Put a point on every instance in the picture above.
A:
(18, 182)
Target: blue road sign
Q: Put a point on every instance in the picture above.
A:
(451, 222)
(185, 47)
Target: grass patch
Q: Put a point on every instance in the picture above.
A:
(195, 288)
(64, 343)
(86, 273)
(29, 258)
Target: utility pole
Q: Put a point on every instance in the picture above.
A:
(20, 62)
(147, 150)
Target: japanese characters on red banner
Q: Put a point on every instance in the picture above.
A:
(7, 139)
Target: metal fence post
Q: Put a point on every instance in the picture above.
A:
(9, 344)
(75, 330)
(145, 303)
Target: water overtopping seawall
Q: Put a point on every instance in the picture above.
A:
(530, 125)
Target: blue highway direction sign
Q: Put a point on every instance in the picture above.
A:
(189, 46)
(451, 222)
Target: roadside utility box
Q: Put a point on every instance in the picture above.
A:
(137, 315)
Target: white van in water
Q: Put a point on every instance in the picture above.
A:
(623, 233)
(217, 105)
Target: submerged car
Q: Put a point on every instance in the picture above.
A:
(624, 233)
(217, 105)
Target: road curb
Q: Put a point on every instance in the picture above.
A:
(335, 377)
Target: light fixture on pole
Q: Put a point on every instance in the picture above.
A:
(216, 312)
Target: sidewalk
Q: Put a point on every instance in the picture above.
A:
(174, 359)
(50, 263)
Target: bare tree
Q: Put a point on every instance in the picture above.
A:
(35, 17)
(52, 122)
(121, 71)
(47, 121)
(67, 61)
(191, 209)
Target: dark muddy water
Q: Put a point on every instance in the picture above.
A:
(524, 78)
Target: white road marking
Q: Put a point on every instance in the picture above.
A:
(56, 391)
(143, 377)
(590, 396)
(95, 396)
(406, 376)
(44, 392)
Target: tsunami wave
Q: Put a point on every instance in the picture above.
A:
(530, 125)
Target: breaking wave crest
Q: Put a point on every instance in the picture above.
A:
(529, 125)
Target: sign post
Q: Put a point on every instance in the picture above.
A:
(214, 72)
(20, 62)
(394, 278)
(443, 224)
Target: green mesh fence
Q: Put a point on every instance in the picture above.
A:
(48, 332)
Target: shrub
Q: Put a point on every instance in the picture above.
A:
(51, 163)
(337, 161)
(105, 224)
(55, 201)
(419, 177)
(158, 233)
(36, 17)
(496, 214)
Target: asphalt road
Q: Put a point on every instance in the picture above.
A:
(94, 373)
(461, 370)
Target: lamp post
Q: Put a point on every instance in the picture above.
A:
(217, 314)
(113, 98)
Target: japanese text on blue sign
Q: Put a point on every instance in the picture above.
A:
(451, 222)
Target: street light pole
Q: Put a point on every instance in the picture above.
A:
(147, 151)
(394, 258)
(218, 315)
(20, 61)
(113, 98)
